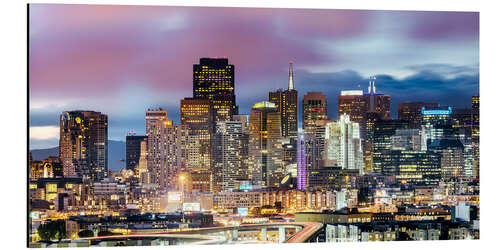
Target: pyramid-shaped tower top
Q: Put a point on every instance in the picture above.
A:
(290, 76)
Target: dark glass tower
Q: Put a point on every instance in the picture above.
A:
(133, 150)
(213, 79)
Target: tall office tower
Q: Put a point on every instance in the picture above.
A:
(302, 180)
(383, 131)
(142, 172)
(475, 118)
(314, 146)
(227, 164)
(196, 114)
(437, 124)
(167, 144)
(314, 108)
(414, 167)
(475, 134)
(371, 118)
(243, 147)
(356, 104)
(452, 160)
(264, 149)
(83, 144)
(412, 112)
(286, 101)
(462, 121)
(213, 79)
(343, 144)
(133, 150)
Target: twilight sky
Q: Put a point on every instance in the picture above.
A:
(122, 60)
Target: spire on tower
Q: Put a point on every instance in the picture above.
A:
(371, 85)
(290, 76)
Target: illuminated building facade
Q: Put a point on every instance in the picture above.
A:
(452, 157)
(243, 146)
(287, 101)
(133, 150)
(412, 112)
(48, 168)
(475, 134)
(356, 104)
(167, 144)
(196, 114)
(343, 144)
(383, 132)
(475, 118)
(301, 164)
(333, 178)
(314, 107)
(142, 171)
(213, 79)
(415, 167)
(227, 145)
(265, 148)
(315, 146)
(437, 123)
(83, 144)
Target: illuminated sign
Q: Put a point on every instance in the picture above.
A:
(351, 92)
(243, 211)
(285, 179)
(246, 187)
(193, 207)
(174, 197)
(264, 104)
(437, 111)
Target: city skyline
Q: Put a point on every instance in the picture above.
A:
(246, 125)
(123, 75)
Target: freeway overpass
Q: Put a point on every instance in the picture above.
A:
(285, 232)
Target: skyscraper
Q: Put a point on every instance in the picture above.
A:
(286, 101)
(213, 79)
(343, 144)
(83, 144)
(383, 132)
(452, 158)
(167, 144)
(412, 112)
(227, 161)
(196, 114)
(133, 150)
(264, 149)
(475, 134)
(314, 107)
(357, 105)
(437, 123)
(475, 118)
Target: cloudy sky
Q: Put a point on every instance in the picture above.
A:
(122, 60)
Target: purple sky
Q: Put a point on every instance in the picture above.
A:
(121, 60)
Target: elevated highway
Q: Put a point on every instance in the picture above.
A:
(281, 232)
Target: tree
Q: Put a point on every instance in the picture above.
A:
(104, 233)
(86, 233)
(52, 230)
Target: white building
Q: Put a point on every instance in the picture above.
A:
(343, 144)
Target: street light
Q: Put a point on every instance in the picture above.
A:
(181, 179)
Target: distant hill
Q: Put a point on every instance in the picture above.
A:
(116, 152)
